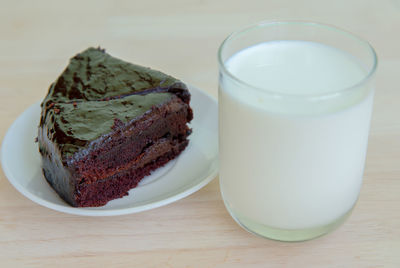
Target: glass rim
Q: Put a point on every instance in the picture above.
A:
(275, 94)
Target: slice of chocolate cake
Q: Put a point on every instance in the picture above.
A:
(106, 123)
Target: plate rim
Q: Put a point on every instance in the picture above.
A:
(109, 212)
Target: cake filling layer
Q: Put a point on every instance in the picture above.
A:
(118, 185)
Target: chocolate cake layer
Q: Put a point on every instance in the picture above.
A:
(106, 124)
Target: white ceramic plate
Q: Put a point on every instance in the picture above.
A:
(192, 170)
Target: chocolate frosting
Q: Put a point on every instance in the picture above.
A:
(85, 104)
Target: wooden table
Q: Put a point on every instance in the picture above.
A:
(182, 38)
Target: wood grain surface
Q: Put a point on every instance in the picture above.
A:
(181, 38)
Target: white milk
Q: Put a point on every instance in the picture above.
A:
(292, 162)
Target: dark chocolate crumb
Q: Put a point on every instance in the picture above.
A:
(101, 49)
(117, 123)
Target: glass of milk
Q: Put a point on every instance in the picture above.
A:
(295, 102)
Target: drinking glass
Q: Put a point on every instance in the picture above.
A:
(295, 102)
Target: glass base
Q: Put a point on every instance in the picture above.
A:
(288, 235)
